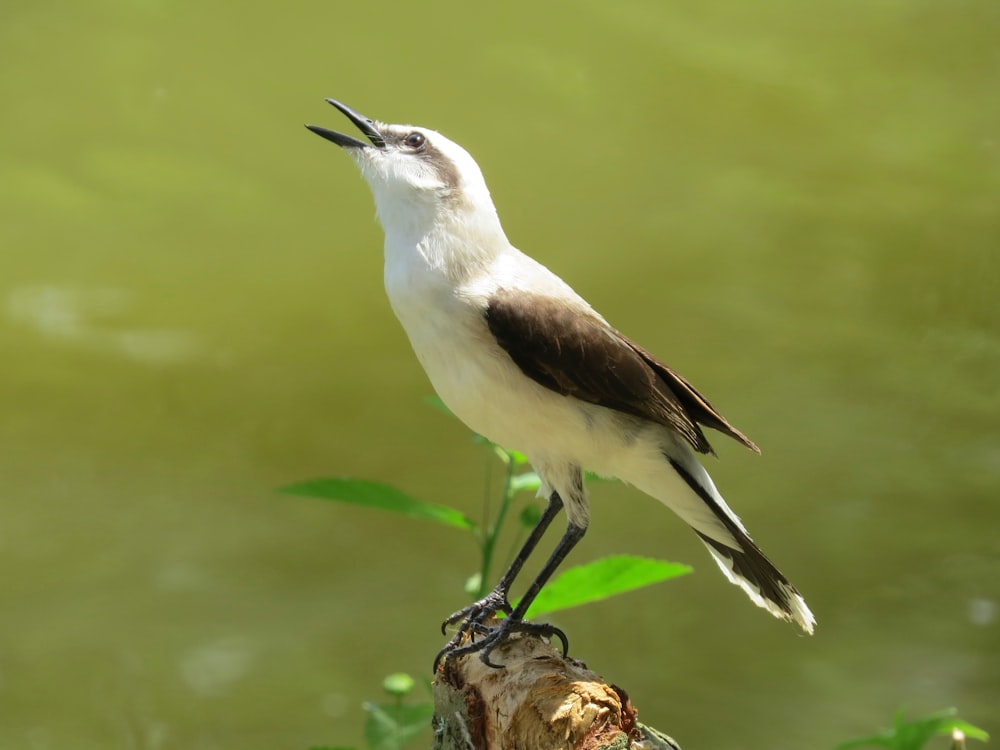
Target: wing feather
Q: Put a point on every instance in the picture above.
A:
(576, 353)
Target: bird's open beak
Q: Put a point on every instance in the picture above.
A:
(365, 124)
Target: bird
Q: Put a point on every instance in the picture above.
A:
(525, 361)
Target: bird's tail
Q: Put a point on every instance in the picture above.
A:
(740, 559)
(766, 586)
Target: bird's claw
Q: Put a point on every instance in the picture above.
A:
(493, 636)
(472, 619)
(477, 612)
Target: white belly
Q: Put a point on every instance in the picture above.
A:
(483, 386)
(478, 381)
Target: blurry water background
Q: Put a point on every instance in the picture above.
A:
(795, 205)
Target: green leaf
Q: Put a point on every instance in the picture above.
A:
(440, 405)
(472, 585)
(393, 726)
(603, 578)
(529, 480)
(398, 684)
(914, 734)
(516, 457)
(530, 516)
(511, 458)
(382, 496)
(970, 730)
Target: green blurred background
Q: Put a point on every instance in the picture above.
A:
(795, 205)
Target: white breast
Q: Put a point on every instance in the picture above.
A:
(448, 333)
(476, 378)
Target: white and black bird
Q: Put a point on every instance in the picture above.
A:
(525, 361)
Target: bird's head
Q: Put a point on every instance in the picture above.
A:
(416, 174)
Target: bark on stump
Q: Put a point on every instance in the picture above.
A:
(539, 701)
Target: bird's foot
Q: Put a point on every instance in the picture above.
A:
(478, 612)
(472, 619)
(492, 635)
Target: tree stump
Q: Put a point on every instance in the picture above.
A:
(539, 701)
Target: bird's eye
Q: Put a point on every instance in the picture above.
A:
(415, 141)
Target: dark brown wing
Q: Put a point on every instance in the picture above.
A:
(694, 403)
(579, 355)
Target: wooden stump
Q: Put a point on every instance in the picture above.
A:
(539, 701)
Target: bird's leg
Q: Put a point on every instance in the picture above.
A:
(494, 635)
(473, 616)
(569, 540)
